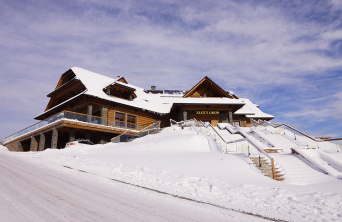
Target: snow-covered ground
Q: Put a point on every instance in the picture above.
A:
(182, 163)
(32, 192)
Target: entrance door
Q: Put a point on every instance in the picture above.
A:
(213, 119)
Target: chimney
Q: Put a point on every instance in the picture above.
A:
(153, 88)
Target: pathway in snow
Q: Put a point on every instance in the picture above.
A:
(29, 192)
(278, 140)
(226, 135)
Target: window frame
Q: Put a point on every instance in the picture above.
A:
(127, 120)
(131, 121)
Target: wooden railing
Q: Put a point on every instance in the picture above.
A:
(142, 130)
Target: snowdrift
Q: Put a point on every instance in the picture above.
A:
(3, 149)
(181, 162)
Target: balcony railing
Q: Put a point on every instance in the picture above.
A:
(78, 117)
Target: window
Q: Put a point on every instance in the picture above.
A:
(119, 119)
(236, 123)
(131, 121)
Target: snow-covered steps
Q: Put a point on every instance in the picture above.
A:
(298, 170)
(276, 140)
(265, 166)
(321, 160)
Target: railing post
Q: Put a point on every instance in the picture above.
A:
(248, 148)
(273, 170)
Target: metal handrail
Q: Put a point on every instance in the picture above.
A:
(259, 122)
(118, 135)
(214, 130)
(246, 138)
(151, 125)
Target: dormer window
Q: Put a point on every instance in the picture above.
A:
(120, 90)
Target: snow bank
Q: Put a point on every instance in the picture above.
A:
(180, 162)
(3, 149)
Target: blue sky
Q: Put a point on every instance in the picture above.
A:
(285, 56)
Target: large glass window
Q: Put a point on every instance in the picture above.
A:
(120, 119)
(131, 121)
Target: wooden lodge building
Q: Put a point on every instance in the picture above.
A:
(90, 106)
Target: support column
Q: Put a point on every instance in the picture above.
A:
(103, 138)
(223, 117)
(104, 114)
(41, 142)
(54, 138)
(89, 112)
(33, 146)
(230, 114)
(72, 136)
(87, 136)
(185, 115)
(19, 146)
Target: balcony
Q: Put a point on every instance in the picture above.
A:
(78, 118)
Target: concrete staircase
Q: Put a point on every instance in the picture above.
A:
(265, 166)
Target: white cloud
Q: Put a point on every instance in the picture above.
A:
(170, 44)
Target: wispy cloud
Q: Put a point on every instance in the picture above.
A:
(264, 50)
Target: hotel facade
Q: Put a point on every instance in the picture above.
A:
(86, 105)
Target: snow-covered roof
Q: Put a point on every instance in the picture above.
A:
(159, 103)
(95, 83)
(209, 100)
(245, 110)
(252, 111)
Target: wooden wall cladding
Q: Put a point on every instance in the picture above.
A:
(12, 146)
(143, 118)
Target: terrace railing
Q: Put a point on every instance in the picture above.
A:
(327, 145)
(78, 117)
